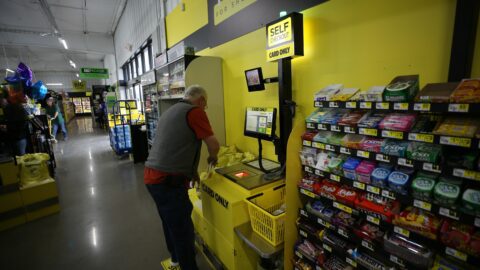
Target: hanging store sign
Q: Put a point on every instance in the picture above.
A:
(94, 73)
(79, 86)
(227, 8)
(285, 37)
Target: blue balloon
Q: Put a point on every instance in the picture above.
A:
(38, 91)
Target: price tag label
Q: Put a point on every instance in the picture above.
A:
(359, 185)
(350, 130)
(373, 189)
(318, 104)
(382, 157)
(327, 248)
(335, 128)
(373, 220)
(431, 167)
(318, 172)
(420, 137)
(456, 254)
(308, 193)
(303, 213)
(367, 245)
(307, 143)
(458, 108)
(382, 105)
(324, 223)
(351, 105)
(363, 154)
(401, 231)
(342, 232)
(405, 162)
(308, 169)
(388, 194)
(422, 205)
(311, 125)
(322, 127)
(342, 207)
(392, 134)
(344, 150)
(302, 233)
(400, 106)
(397, 260)
(464, 174)
(368, 131)
(351, 262)
(299, 254)
(330, 147)
(448, 213)
(422, 107)
(334, 177)
(333, 104)
(455, 141)
(365, 105)
(318, 145)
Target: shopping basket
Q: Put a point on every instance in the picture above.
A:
(261, 207)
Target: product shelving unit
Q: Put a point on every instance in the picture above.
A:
(470, 177)
(120, 137)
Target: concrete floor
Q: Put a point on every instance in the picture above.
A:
(107, 220)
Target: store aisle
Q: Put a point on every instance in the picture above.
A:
(107, 218)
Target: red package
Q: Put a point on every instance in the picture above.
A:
(419, 221)
(309, 135)
(329, 189)
(346, 195)
(377, 206)
(351, 118)
(368, 231)
(372, 145)
(460, 236)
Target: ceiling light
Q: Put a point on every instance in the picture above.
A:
(9, 70)
(54, 84)
(73, 64)
(77, 75)
(64, 42)
(283, 13)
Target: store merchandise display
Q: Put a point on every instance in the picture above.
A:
(391, 177)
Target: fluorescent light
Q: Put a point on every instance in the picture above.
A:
(94, 236)
(283, 13)
(9, 70)
(64, 42)
(79, 80)
(92, 191)
(54, 84)
(77, 75)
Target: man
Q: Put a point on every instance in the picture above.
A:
(57, 119)
(16, 118)
(172, 163)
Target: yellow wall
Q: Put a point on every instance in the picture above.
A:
(476, 58)
(180, 24)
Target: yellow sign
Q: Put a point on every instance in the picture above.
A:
(285, 37)
(280, 32)
(79, 86)
(280, 52)
(227, 8)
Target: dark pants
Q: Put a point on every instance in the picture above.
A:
(55, 127)
(175, 210)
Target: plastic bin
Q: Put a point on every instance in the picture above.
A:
(261, 207)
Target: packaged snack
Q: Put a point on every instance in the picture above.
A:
(358, 96)
(471, 200)
(426, 123)
(369, 262)
(349, 167)
(419, 221)
(446, 194)
(308, 135)
(436, 92)
(364, 171)
(372, 145)
(326, 94)
(353, 141)
(335, 139)
(422, 188)
(397, 181)
(317, 115)
(334, 241)
(334, 116)
(380, 176)
(351, 118)
(335, 263)
(315, 207)
(322, 136)
(398, 122)
(458, 126)
(335, 165)
(465, 159)
(394, 147)
(371, 120)
(308, 156)
(309, 249)
(401, 88)
(375, 94)
(421, 257)
(468, 91)
(322, 161)
(345, 94)
(442, 263)
(424, 152)
(368, 232)
(461, 236)
(329, 189)
(377, 206)
(346, 195)
(343, 219)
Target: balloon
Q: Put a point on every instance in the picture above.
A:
(38, 90)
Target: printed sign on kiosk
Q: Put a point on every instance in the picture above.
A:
(285, 37)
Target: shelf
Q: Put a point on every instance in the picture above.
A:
(172, 97)
(400, 135)
(463, 108)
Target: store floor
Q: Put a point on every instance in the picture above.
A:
(107, 218)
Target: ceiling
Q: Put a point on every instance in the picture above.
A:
(27, 34)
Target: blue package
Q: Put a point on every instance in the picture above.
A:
(380, 176)
(397, 181)
(349, 167)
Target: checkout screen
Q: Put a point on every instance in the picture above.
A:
(259, 120)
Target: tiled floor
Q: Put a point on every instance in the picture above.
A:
(107, 218)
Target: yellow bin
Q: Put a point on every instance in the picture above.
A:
(265, 222)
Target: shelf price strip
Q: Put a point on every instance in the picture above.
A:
(405, 162)
(342, 207)
(302, 233)
(335, 178)
(392, 134)
(456, 254)
(458, 108)
(351, 262)
(382, 106)
(351, 105)
(422, 107)
(365, 105)
(466, 174)
(363, 154)
(396, 260)
(368, 131)
(420, 137)
(367, 245)
(400, 106)
(462, 142)
(343, 233)
(350, 130)
(308, 193)
(422, 205)
(431, 167)
(323, 223)
(388, 194)
(318, 145)
(448, 213)
(373, 189)
(401, 231)
(359, 185)
(373, 220)
(383, 158)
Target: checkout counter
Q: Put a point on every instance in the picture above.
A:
(221, 217)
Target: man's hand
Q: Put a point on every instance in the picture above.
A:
(212, 160)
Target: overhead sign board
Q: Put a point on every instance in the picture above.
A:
(79, 86)
(147, 78)
(224, 9)
(285, 37)
(94, 73)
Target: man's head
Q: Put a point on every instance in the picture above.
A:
(50, 101)
(197, 96)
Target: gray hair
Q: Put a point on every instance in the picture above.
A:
(195, 92)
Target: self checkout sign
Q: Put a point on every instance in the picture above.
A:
(285, 37)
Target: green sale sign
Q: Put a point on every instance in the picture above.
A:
(93, 73)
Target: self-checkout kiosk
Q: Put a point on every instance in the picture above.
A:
(220, 214)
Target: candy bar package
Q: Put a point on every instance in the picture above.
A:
(370, 262)
(343, 219)
(436, 92)
(335, 263)
(322, 136)
(401, 88)
(426, 123)
(327, 93)
(377, 206)
(398, 122)
(468, 91)
(336, 138)
(374, 94)
(394, 147)
(334, 116)
(461, 236)
(346, 195)
(421, 257)
(317, 115)
(352, 141)
(308, 135)
(308, 156)
(318, 209)
(458, 126)
(371, 120)
(368, 232)
(335, 164)
(345, 94)
(351, 118)
(419, 221)
(424, 152)
(372, 145)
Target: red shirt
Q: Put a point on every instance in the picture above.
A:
(198, 121)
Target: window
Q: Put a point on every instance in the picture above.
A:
(139, 96)
(133, 71)
(146, 59)
(139, 64)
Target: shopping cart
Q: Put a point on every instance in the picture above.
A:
(50, 126)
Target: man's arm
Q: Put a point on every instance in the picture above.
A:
(213, 146)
